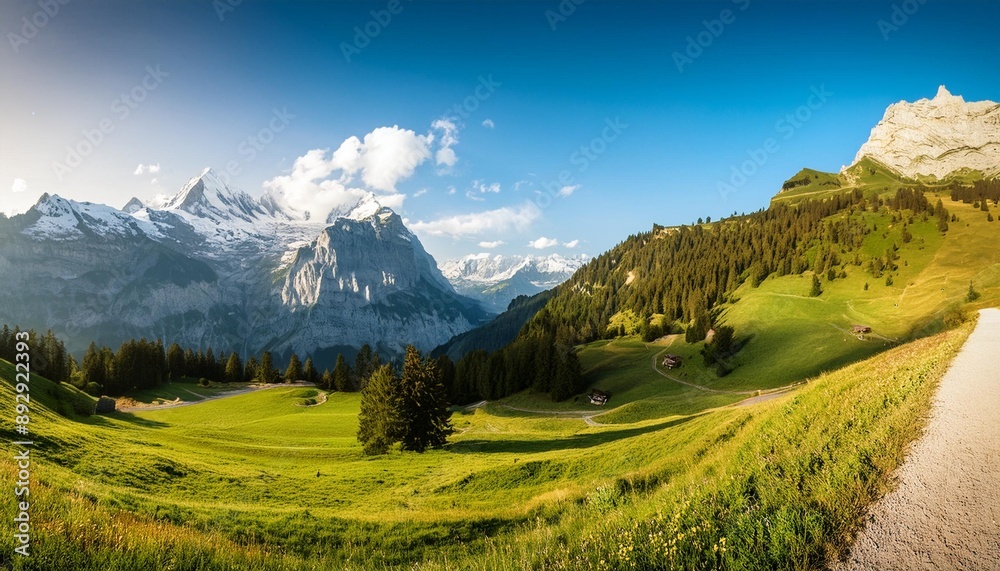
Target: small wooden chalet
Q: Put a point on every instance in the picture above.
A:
(600, 398)
(861, 329)
(672, 361)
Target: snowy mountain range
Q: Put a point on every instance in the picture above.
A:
(212, 266)
(495, 280)
(936, 137)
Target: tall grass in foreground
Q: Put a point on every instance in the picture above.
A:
(785, 485)
(779, 485)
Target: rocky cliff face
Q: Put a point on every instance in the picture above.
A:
(936, 137)
(211, 266)
(371, 278)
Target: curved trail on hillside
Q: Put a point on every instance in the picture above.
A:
(584, 415)
(758, 392)
(232, 393)
(945, 512)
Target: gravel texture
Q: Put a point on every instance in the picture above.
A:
(945, 510)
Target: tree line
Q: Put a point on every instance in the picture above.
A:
(683, 274)
(47, 353)
(142, 364)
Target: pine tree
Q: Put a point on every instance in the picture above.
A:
(309, 372)
(93, 367)
(973, 295)
(251, 370)
(211, 367)
(378, 419)
(817, 288)
(326, 381)
(567, 378)
(267, 373)
(294, 370)
(234, 369)
(342, 376)
(423, 404)
(361, 364)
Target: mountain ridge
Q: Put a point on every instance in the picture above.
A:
(936, 137)
(247, 279)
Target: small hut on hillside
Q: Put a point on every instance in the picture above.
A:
(104, 405)
(672, 361)
(598, 397)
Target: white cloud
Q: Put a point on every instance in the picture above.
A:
(501, 220)
(572, 244)
(449, 137)
(491, 245)
(20, 185)
(394, 201)
(318, 184)
(143, 169)
(420, 193)
(543, 242)
(568, 190)
(520, 184)
(446, 157)
(451, 190)
(494, 188)
(482, 188)
(488, 123)
(152, 181)
(308, 191)
(390, 154)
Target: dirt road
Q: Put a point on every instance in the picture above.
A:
(231, 393)
(945, 512)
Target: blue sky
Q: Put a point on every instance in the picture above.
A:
(630, 113)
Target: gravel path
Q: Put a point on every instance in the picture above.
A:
(945, 512)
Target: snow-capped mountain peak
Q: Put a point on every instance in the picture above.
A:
(937, 136)
(60, 218)
(487, 268)
(496, 279)
(132, 206)
(208, 196)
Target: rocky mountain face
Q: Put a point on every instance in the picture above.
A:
(936, 137)
(211, 266)
(495, 280)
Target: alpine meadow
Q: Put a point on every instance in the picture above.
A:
(496, 286)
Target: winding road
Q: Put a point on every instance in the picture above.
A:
(945, 511)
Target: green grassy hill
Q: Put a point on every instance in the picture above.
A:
(257, 481)
(678, 470)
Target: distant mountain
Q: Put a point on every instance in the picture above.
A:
(496, 280)
(212, 266)
(498, 332)
(937, 137)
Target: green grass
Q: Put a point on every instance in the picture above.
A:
(222, 483)
(258, 481)
(185, 389)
